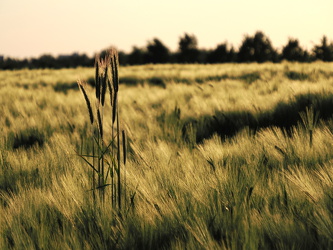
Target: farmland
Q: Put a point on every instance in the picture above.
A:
(224, 156)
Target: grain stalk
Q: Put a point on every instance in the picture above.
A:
(310, 120)
(106, 158)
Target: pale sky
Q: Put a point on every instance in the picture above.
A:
(30, 28)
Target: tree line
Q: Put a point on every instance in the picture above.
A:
(256, 48)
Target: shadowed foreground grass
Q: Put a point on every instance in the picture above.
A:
(218, 163)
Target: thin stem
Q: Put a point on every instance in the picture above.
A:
(113, 187)
(118, 158)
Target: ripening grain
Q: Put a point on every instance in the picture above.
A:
(232, 156)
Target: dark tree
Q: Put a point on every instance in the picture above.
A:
(257, 49)
(44, 61)
(157, 52)
(324, 51)
(73, 60)
(9, 63)
(221, 54)
(188, 49)
(137, 56)
(293, 52)
(202, 56)
(232, 54)
(123, 58)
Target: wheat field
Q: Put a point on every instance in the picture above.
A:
(227, 156)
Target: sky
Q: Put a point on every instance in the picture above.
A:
(31, 28)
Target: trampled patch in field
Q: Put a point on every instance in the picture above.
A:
(64, 87)
(284, 115)
(26, 138)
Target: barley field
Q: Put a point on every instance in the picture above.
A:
(227, 156)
